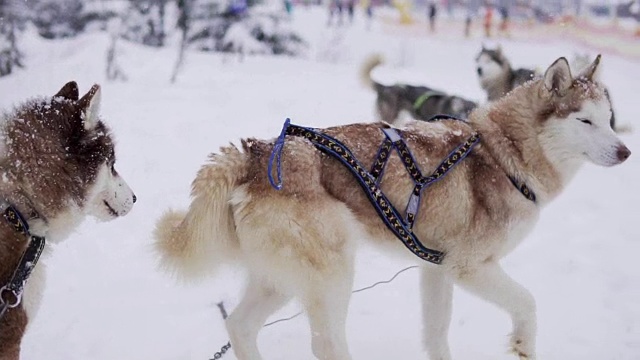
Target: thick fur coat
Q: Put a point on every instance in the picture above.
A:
(300, 241)
(57, 162)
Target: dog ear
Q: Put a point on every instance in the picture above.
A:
(592, 72)
(69, 91)
(557, 78)
(90, 107)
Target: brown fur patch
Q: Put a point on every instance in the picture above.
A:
(561, 107)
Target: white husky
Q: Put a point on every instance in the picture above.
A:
(300, 241)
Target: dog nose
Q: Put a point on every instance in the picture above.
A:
(480, 71)
(135, 199)
(623, 153)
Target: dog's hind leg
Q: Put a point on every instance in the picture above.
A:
(243, 325)
(327, 307)
(388, 106)
(437, 292)
(491, 283)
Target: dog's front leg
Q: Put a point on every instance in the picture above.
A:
(12, 328)
(437, 291)
(491, 283)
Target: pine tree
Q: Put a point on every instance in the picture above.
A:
(184, 25)
(59, 18)
(243, 26)
(145, 22)
(13, 16)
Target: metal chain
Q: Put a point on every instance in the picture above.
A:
(227, 346)
(223, 350)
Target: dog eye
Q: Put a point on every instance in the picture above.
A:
(585, 121)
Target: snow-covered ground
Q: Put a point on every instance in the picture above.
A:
(106, 300)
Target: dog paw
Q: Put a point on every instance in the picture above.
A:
(520, 348)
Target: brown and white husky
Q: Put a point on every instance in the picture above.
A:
(300, 241)
(56, 166)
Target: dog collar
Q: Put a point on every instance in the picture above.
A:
(11, 293)
(424, 97)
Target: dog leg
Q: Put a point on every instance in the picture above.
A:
(388, 107)
(437, 294)
(247, 319)
(327, 310)
(492, 284)
(12, 328)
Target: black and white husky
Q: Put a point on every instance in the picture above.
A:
(496, 75)
(421, 102)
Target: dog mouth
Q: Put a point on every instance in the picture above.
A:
(110, 209)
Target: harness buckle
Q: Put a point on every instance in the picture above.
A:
(6, 302)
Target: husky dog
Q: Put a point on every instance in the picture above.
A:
(57, 166)
(496, 75)
(300, 241)
(421, 102)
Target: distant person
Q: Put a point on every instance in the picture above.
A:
(504, 25)
(472, 13)
(433, 12)
(467, 26)
(350, 9)
(368, 6)
(335, 10)
(288, 6)
(488, 19)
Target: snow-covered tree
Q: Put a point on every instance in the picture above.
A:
(145, 22)
(13, 16)
(58, 18)
(244, 27)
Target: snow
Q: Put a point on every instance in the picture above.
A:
(106, 300)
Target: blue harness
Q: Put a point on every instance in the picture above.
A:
(401, 226)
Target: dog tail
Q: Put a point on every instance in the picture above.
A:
(192, 243)
(365, 72)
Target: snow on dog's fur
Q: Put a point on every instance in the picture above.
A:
(56, 159)
(300, 241)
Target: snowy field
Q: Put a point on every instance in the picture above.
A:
(105, 299)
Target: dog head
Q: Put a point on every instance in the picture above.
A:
(491, 65)
(576, 116)
(61, 157)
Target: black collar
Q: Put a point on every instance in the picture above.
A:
(11, 293)
(523, 188)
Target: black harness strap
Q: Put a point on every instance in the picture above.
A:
(520, 185)
(523, 188)
(419, 180)
(11, 293)
(369, 180)
(381, 159)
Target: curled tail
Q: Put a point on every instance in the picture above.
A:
(192, 243)
(365, 72)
